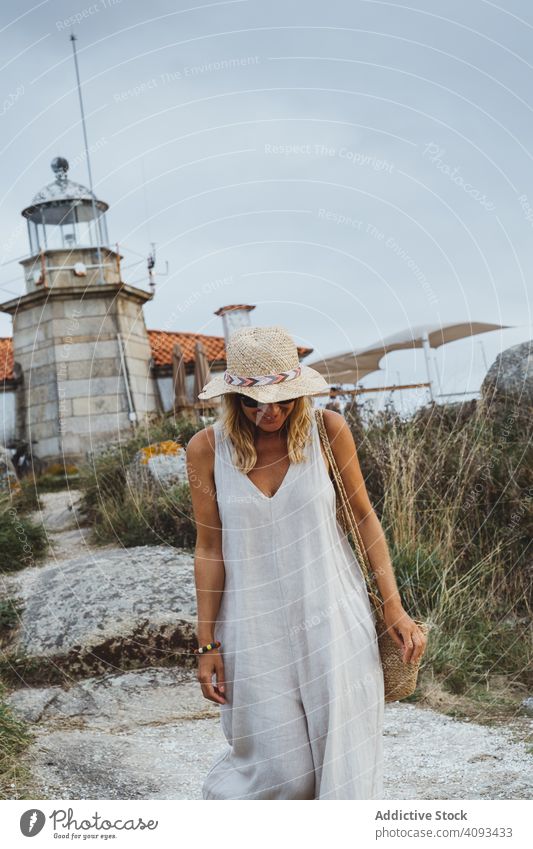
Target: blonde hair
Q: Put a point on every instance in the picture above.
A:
(241, 430)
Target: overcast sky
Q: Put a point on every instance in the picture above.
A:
(352, 167)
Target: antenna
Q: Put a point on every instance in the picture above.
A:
(96, 219)
(151, 266)
(151, 259)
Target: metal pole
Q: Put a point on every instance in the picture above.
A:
(132, 414)
(365, 389)
(427, 354)
(399, 380)
(484, 356)
(96, 219)
(437, 371)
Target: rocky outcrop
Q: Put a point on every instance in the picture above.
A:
(134, 735)
(104, 612)
(509, 380)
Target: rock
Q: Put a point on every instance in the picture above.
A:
(147, 734)
(510, 377)
(116, 607)
(118, 702)
(158, 466)
(30, 703)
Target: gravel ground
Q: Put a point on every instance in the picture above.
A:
(151, 735)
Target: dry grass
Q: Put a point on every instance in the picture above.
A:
(453, 487)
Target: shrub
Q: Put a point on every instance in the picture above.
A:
(15, 736)
(145, 516)
(22, 541)
(26, 499)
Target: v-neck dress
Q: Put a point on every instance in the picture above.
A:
(303, 717)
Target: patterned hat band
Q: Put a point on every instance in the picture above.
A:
(262, 379)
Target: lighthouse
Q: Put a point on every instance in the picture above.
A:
(80, 345)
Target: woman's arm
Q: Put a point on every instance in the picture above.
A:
(372, 535)
(209, 573)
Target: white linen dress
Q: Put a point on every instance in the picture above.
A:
(304, 683)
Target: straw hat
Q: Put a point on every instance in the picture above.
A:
(262, 362)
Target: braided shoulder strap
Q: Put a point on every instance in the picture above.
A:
(344, 510)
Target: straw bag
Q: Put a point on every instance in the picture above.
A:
(399, 678)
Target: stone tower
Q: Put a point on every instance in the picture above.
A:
(80, 344)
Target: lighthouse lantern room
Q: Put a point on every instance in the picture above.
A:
(67, 232)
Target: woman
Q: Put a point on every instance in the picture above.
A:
(297, 672)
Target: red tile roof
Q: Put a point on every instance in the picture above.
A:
(161, 343)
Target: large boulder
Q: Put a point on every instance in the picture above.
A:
(117, 609)
(509, 380)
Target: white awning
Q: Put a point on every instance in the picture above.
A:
(352, 366)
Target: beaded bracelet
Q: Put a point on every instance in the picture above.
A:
(208, 647)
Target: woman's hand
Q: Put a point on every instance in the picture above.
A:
(405, 632)
(210, 664)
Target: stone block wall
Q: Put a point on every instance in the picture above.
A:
(74, 384)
